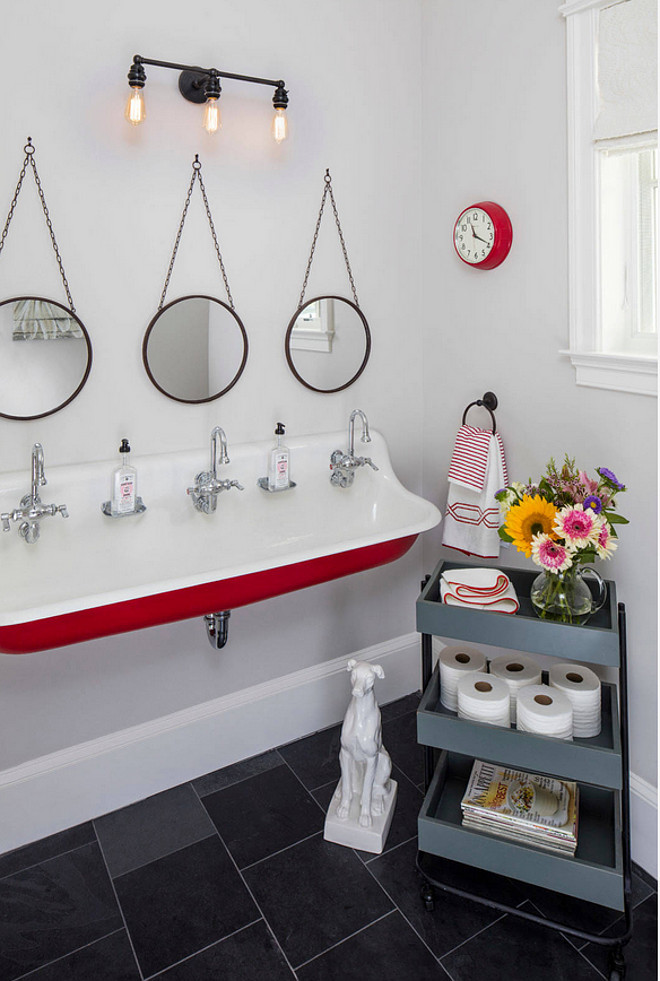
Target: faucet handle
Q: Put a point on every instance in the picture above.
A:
(370, 462)
(5, 522)
(63, 510)
(235, 483)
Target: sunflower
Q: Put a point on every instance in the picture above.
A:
(532, 516)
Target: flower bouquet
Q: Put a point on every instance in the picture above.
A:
(565, 522)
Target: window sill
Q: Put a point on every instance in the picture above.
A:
(617, 372)
(312, 339)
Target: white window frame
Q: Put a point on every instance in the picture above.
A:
(317, 333)
(593, 367)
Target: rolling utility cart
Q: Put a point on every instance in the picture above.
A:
(600, 872)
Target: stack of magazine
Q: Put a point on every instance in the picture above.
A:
(525, 807)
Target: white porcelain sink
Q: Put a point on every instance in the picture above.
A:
(91, 575)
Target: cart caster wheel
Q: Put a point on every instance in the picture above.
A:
(428, 897)
(617, 966)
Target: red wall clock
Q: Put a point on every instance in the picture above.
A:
(483, 235)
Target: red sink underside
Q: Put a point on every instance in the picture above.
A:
(180, 604)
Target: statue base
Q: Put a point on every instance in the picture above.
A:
(350, 832)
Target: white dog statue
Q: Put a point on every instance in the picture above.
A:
(361, 809)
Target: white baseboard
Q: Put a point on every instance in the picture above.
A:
(65, 788)
(644, 823)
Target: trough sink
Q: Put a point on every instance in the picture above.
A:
(91, 575)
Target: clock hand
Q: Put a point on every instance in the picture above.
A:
(479, 237)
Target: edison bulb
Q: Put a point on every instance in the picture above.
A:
(135, 111)
(212, 121)
(280, 127)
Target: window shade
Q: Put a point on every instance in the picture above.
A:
(627, 69)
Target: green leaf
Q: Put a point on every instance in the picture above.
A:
(503, 535)
(615, 519)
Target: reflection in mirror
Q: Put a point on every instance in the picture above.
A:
(45, 357)
(328, 343)
(195, 349)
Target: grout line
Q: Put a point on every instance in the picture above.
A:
(584, 956)
(252, 896)
(161, 857)
(279, 851)
(387, 851)
(344, 939)
(121, 912)
(468, 939)
(56, 960)
(92, 841)
(201, 950)
(310, 792)
(226, 786)
(397, 907)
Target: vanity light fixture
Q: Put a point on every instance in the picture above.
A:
(202, 85)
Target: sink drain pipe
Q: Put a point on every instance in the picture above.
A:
(217, 628)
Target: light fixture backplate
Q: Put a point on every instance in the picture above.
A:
(192, 86)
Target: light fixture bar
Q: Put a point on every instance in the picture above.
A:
(274, 83)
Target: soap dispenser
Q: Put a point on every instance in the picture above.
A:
(278, 463)
(124, 484)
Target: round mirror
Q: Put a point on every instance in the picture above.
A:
(45, 357)
(195, 349)
(328, 343)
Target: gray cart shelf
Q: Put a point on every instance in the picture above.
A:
(600, 871)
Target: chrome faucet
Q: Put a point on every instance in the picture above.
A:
(343, 465)
(206, 488)
(32, 510)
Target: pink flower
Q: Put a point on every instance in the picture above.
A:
(577, 527)
(606, 543)
(550, 554)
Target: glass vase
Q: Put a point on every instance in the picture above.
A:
(565, 597)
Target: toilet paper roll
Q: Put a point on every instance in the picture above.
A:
(517, 671)
(582, 688)
(484, 699)
(545, 711)
(455, 662)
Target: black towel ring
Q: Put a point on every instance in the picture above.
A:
(489, 402)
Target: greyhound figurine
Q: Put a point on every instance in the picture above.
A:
(362, 750)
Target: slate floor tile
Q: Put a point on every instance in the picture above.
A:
(469, 878)
(315, 759)
(402, 706)
(315, 894)
(109, 959)
(183, 902)
(264, 814)
(514, 948)
(388, 950)
(53, 908)
(151, 828)
(452, 921)
(45, 848)
(250, 954)
(641, 954)
(404, 823)
(228, 775)
(400, 740)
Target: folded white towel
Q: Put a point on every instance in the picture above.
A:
(479, 589)
(477, 472)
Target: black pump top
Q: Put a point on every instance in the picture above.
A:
(124, 448)
(279, 431)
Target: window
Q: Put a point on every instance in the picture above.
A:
(612, 110)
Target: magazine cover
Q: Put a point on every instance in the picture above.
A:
(527, 806)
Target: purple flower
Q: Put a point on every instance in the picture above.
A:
(610, 477)
(594, 503)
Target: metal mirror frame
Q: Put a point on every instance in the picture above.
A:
(145, 342)
(86, 338)
(287, 344)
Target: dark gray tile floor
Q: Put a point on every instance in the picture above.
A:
(229, 877)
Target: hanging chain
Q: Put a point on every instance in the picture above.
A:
(197, 175)
(328, 190)
(29, 159)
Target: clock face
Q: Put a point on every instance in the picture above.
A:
(474, 235)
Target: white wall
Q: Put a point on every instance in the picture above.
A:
(495, 129)
(115, 196)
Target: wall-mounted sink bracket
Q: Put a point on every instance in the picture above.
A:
(140, 508)
(217, 628)
(263, 483)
